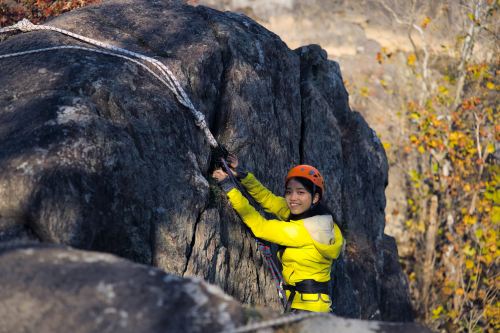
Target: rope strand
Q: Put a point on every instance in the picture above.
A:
(169, 78)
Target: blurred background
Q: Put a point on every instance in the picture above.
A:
(425, 74)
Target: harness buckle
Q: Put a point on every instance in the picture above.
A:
(313, 300)
(310, 300)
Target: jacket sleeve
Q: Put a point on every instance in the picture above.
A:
(271, 203)
(279, 232)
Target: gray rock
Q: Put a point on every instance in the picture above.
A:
(97, 154)
(10, 230)
(53, 288)
(336, 324)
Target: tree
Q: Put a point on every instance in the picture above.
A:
(453, 131)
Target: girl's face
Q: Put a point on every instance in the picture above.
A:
(298, 198)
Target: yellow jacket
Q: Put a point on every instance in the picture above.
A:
(312, 243)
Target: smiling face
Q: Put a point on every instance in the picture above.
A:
(297, 197)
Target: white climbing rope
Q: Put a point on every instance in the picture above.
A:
(167, 77)
(292, 318)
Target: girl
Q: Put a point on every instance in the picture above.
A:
(309, 239)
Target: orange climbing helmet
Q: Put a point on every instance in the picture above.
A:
(307, 172)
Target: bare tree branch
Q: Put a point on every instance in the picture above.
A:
(410, 26)
(382, 2)
(468, 46)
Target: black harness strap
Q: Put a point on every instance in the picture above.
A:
(305, 287)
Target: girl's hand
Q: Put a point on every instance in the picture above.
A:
(232, 160)
(219, 175)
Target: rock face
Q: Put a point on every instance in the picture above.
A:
(335, 324)
(54, 288)
(97, 154)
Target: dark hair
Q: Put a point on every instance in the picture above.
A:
(319, 209)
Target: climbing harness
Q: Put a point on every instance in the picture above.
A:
(292, 318)
(168, 79)
(308, 286)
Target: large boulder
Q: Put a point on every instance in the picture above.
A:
(97, 154)
(53, 288)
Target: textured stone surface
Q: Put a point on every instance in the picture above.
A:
(336, 324)
(53, 288)
(95, 153)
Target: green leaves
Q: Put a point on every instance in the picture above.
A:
(469, 251)
(493, 195)
(437, 312)
(496, 217)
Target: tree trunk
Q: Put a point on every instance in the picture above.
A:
(430, 249)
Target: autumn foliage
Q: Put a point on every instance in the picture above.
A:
(450, 153)
(39, 11)
(456, 187)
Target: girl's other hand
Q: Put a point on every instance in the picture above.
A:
(219, 175)
(232, 160)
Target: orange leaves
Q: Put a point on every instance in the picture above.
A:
(471, 104)
(435, 122)
(426, 21)
(460, 229)
(384, 55)
(10, 15)
(478, 68)
(40, 10)
(468, 105)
